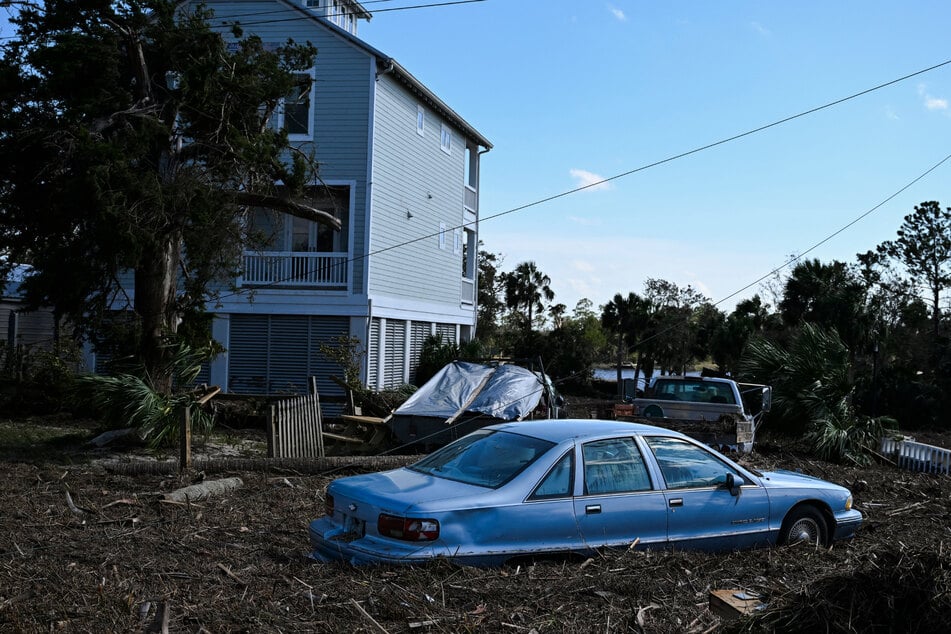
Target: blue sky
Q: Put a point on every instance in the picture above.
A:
(570, 92)
(573, 91)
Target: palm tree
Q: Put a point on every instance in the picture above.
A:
(626, 317)
(527, 288)
(813, 392)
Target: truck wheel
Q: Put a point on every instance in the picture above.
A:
(652, 411)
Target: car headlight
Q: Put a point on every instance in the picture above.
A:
(848, 503)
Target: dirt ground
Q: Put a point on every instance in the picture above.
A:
(123, 560)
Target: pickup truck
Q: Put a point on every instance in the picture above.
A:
(717, 411)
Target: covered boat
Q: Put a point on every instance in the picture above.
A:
(465, 396)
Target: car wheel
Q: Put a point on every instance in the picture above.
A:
(804, 524)
(652, 411)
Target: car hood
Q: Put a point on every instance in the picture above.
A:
(784, 478)
(400, 489)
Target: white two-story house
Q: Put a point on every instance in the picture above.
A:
(401, 170)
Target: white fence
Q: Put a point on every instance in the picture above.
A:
(295, 428)
(917, 456)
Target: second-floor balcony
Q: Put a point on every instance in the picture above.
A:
(470, 198)
(296, 269)
(468, 292)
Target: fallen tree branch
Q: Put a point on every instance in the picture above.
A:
(203, 490)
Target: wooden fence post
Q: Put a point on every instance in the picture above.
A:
(319, 422)
(185, 440)
(271, 420)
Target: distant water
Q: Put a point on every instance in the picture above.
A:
(627, 374)
(610, 375)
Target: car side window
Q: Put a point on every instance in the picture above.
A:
(614, 466)
(557, 483)
(687, 466)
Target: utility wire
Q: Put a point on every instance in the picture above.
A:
(798, 257)
(297, 16)
(683, 322)
(636, 170)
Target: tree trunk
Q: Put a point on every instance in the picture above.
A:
(156, 285)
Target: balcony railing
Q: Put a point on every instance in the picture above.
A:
(296, 269)
(470, 198)
(467, 294)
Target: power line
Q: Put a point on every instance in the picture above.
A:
(384, 10)
(636, 170)
(798, 257)
(686, 320)
(297, 16)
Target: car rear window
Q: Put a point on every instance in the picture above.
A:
(484, 458)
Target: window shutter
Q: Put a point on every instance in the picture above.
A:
(418, 336)
(373, 354)
(395, 358)
(275, 354)
(248, 354)
(446, 333)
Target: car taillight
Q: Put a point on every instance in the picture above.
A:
(407, 528)
(329, 504)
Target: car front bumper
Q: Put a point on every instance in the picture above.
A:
(847, 523)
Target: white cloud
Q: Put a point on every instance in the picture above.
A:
(583, 265)
(759, 28)
(617, 13)
(584, 178)
(585, 222)
(934, 103)
(931, 102)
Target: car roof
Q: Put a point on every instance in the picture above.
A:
(563, 429)
(699, 379)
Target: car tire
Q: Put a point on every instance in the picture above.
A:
(652, 411)
(804, 524)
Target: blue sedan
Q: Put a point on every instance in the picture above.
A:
(537, 488)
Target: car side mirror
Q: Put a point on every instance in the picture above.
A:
(767, 399)
(733, 483)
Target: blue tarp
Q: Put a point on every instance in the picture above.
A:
(505, 392)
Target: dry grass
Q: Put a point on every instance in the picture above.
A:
(124, 560)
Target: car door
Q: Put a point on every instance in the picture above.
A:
(546, 521)
(702, 511)
(617, 501)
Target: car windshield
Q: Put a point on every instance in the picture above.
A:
(484, 458)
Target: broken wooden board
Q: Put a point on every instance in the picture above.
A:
(732, 604)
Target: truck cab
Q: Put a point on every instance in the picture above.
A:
(718, 411)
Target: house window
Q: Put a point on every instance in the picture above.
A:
(468, 254)
(420, 120)
(445, 139)
(297, 113)
(282, 232)
(335, 12)
(472, 167)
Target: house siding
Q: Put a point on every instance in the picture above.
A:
(413, 176)
(342, 101)
(365, 137)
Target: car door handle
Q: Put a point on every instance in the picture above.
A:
(592, 509)
(676, 502)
